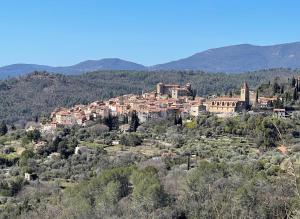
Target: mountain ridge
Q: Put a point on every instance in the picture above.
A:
(228, 59)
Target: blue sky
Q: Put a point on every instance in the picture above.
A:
(64, 32)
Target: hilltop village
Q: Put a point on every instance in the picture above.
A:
(166, 101)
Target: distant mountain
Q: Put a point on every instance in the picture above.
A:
(103, 64)
(20, 69)
(239, 58)
(86, 66)
(230, 59)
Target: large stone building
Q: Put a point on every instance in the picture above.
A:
(228, 104)
(174, 90)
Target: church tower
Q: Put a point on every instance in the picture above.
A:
(245, 93)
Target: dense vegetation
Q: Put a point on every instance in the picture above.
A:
(207, 167)
(27, 97)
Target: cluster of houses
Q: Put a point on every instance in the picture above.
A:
(167, 100)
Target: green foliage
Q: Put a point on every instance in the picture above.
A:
(34, 135)
(111, 122)
(148, 192)
(101, 194)
(130, 140)
(135, 122)
(211, 188)
(11, 187)
(23, 161)
(3, 128)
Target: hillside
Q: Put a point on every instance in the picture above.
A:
(28, 96)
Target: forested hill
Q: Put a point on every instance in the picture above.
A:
(28, 96)
(230, 59)
(240, 58)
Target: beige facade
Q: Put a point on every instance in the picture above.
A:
(228, 104)
(174, 90)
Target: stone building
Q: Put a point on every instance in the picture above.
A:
(174, 90)
(228, 104)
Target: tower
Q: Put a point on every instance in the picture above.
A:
(160, 88)
(245, 93)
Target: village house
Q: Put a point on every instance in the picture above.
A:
(173, 90)
(166, 101)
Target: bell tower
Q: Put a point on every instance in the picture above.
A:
(245, 93)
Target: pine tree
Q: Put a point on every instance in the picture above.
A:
(3, 128)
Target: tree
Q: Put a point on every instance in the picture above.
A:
(34, 135)
(175, 120)
(193, 93)
(135, 122)
(282, 89)
(130, 140)
(293, 82)
(256, 97)
(178, 120)
(3, 128)
(27, 154)
(148, 191)
(295, 94)
(276, 87)
(108, 121)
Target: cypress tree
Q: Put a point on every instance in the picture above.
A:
(293, 82)
(179, 121)
(256, 97)
(135, 122)
(175, 120)
(282, 89)
(295, 94)
(3, 128)
(108, 121)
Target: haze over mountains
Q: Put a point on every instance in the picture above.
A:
(230, 59)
